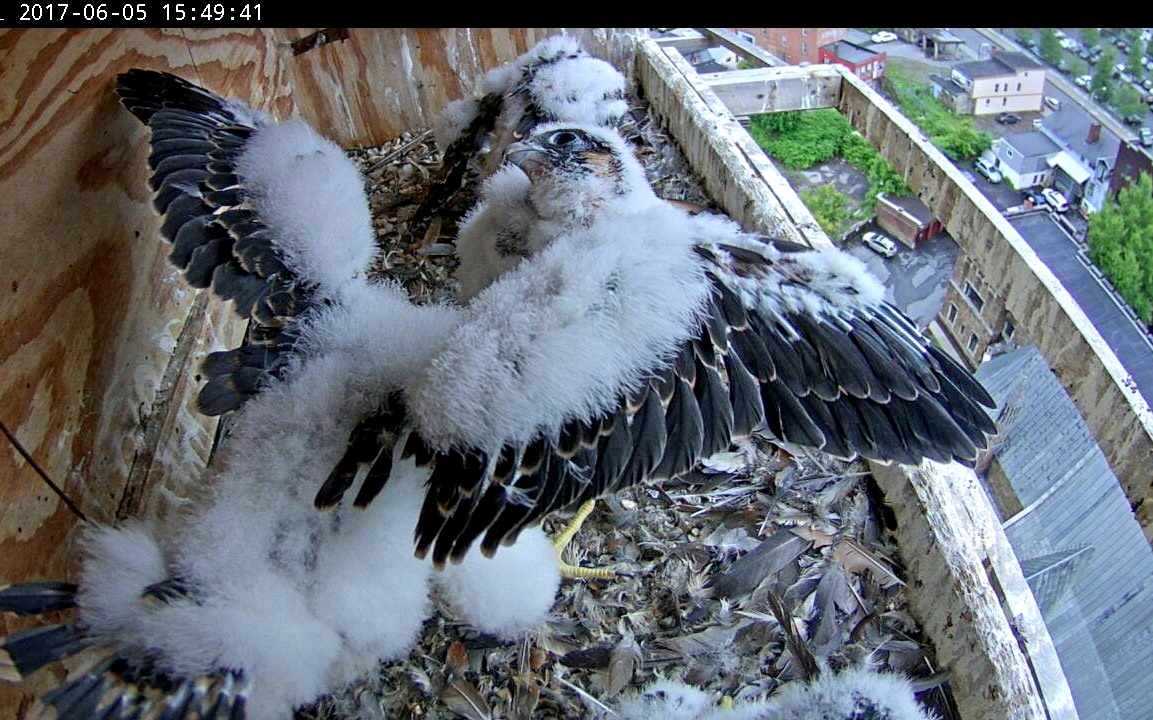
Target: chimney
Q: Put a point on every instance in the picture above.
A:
(1094, 133)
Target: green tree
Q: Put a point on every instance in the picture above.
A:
(1121, 244)
(1090, 36)
(1136, 52)
(1128, 101)
(1050, 46)
(829, 207)
(1077, 66)
(1103, 75)
(1025, 36)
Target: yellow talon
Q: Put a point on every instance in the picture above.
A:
(564, 537)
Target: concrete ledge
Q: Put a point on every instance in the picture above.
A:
(970, 596)
(736, 172)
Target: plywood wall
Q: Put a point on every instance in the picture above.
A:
(378, 83)
(99, 337)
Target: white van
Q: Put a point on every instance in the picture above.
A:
(989, 170)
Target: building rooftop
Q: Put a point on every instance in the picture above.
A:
(1008, 63)
(911, 206)
(1087, 560)
(1073, 130)
(849, 52)
(1017, 61)
(941, 35)
(949, 85)
(1031, 144)
(984, 68)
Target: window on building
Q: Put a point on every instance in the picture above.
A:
(1008, 330)
(986, 102)
(747, 37)
(1018, 87)
(1004, 101)
(974, 297)
(972, 344)
(996, 87)
(952, 313)
(804, 47)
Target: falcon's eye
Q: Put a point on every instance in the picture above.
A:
(564, 138)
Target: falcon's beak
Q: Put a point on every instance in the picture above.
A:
(529, 158)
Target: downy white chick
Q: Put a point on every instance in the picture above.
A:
(555, 81)
(630, 340)
(851, 694)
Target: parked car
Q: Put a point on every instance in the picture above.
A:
(1053, 102)
(879, 244)
(1006, 118)
(884, 36)
(989, 170)
(1034, 195)
(1084, 81)
(1134, 119)
(1146, 136)
(1055, 199)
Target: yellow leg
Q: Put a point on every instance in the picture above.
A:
(561, 541)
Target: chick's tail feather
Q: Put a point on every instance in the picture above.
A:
(108, 685)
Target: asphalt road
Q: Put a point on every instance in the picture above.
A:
(1058, 251)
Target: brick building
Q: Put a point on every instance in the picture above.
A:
(793, 45)
(869, 65)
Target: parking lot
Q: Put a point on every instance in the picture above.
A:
(914, 279)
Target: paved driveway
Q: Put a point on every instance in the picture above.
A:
(914, 279)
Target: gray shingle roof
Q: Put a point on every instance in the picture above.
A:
(1031, 144)
(848, 51)
(1006, 63)
(1017, 61)
(1103, 627)
(984, 68)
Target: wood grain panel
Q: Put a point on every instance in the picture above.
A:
(91, 310)
(381, 82)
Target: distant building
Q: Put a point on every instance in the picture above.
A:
(714, 59)
(938, 43)
(1007, 82)
(1069, 522)
(869, 65)
(794, 45)
(1023, 158)
(1083, 170)
(906, 219)
(1132, 160)
(973, 313)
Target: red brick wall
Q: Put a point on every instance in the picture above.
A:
(794, 45)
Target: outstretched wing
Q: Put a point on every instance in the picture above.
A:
(270, 216)
(836, 368)
(792, 341)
